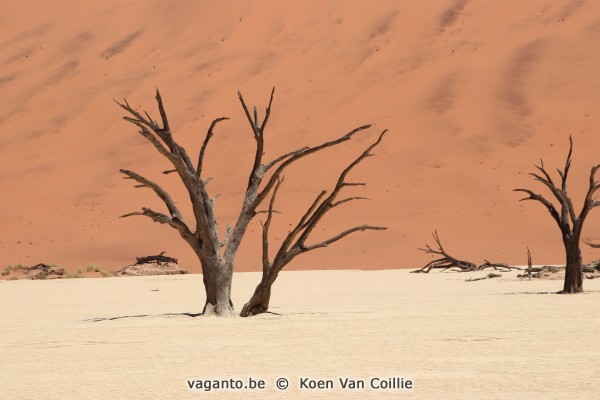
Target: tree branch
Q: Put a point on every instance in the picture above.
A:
(209, 135)
(303, 153)
(283, 157)
(265, 232)
(205, 228)
(255, 175)
(564, 173)
(163, 194)
(163, 114)
(589, 202)
(285, 245)
(561, 195)
(163, 219)
(341, 236)
(320, 206)
(175, 153)
(541, 199)
(327, 203)
(253, 197)
(267, 112)
(337, 203)
(253, 124)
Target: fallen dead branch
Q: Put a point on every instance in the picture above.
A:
(496, 266)
(159, 259)
(491, 275)
(448, 262)
(539, 272)
(545, 271)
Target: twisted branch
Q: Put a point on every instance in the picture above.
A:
(446, 261)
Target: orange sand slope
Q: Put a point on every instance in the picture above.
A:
(473, 93)
(493, 339)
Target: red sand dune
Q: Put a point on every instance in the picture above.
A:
(473, 93)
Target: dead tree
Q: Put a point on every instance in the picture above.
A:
(216, 256)
(446, 262)
(569, 223)
(295, 242)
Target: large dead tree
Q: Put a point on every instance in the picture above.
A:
(294, 243)
(216, 256)
(568, 221)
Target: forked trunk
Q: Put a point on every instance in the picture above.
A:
(574, 267)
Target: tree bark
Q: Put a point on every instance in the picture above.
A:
(574, 266)
(259, 302)
(217, 278)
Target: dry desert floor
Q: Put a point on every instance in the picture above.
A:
(132, 338)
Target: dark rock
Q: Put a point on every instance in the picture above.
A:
(44, 271)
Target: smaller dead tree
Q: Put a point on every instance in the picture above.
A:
(295, 242)
(569, 223)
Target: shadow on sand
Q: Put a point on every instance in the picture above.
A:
(559, 292)
(185, 314)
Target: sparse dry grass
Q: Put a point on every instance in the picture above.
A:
(11, 268)
(100, 270)
(77, 274)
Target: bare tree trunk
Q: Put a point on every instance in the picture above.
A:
(574, 266)
(259, 302)
(217, 278)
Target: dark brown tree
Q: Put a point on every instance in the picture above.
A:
(568, 221)
(216, 256)
(294, 243)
